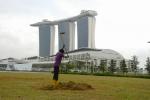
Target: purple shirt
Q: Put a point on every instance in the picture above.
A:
(58, 58)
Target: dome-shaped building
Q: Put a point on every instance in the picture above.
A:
(97, 53)
(94, 57)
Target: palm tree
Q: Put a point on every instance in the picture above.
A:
(112, 66)
(103, 65)
(123, 66)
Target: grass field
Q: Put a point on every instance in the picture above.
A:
(27, 86)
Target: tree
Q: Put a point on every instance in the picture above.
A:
(112, 66)
(123, 66)
(134, 64)
(63, 67)
(80, 64)
(92, 65)
(103, 65)
(69, 66)
(148, 65)
(87, 63)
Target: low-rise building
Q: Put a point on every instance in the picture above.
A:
(84, 59)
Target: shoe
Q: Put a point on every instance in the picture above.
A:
(57, 83)
(54, 82)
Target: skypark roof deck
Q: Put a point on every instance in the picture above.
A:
(71, 19)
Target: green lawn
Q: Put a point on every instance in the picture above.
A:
(27, 86)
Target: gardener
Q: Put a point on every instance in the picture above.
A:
(58, 59)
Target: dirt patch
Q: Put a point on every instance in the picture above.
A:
(68, 86)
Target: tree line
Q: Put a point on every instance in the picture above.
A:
(123, 68)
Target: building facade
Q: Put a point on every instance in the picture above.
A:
(46, 40)
(85, 31)
(66, 35)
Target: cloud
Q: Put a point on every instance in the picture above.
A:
(17, 38)
(120, 25)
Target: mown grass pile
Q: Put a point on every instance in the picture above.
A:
(68, 86)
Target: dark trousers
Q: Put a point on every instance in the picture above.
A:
(56, 71)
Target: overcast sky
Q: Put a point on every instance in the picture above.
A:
(121, 25)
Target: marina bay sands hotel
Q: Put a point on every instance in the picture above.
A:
(85, 24)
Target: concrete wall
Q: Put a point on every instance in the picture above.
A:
(82, 31)
(46, 40)
(68, 38)
(86, 32)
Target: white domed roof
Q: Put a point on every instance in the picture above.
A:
(100, 53)
(108, 54)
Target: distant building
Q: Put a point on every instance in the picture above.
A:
(85, 31)
(91, 58)
(67, 35)
(11, 64)
(46, 40)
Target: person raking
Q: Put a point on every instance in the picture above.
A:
(57, 62)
